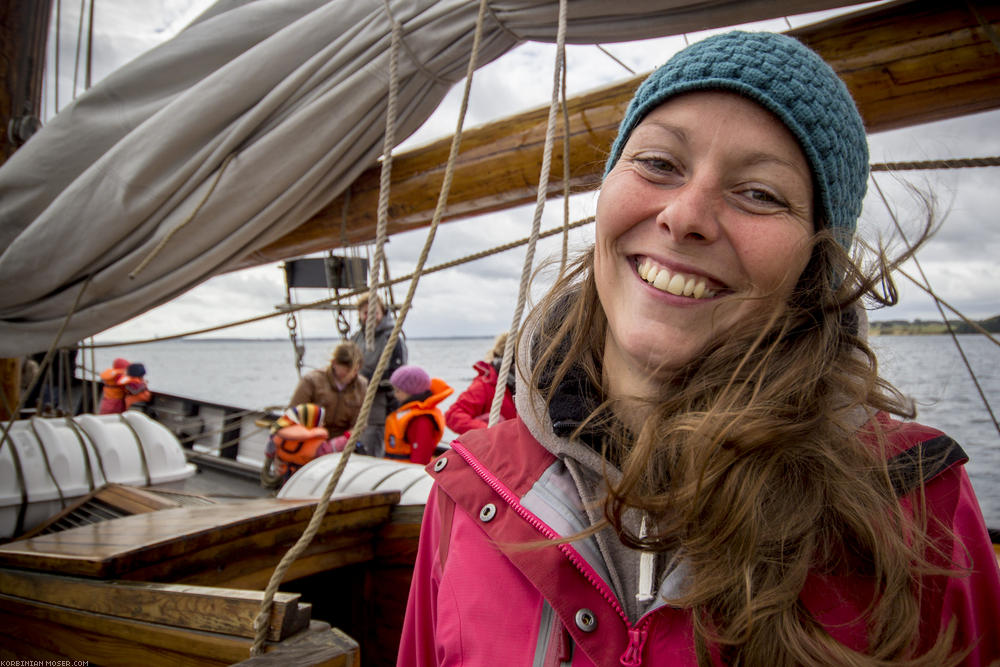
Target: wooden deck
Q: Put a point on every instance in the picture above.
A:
(54, 617)
(165, 585)
(234, 544)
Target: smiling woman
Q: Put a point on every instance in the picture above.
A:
(694, 201)
(704, 468)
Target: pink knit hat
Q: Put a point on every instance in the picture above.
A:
(119, 363)
(412, 380)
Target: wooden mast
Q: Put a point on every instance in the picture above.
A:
(23, 33)
(906, 63)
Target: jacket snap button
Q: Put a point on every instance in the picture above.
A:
(440, 464)
(585, 620)
(488, 512)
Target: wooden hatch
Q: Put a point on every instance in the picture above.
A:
(234, 544)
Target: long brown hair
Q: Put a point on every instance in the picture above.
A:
(762, 416)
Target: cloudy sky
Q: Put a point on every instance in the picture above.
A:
(479, 298)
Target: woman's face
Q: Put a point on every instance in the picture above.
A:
(344, 373)
(710, 203)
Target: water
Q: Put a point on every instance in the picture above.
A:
(258, 374)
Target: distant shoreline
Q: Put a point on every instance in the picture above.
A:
(922, 328)
(280, 339)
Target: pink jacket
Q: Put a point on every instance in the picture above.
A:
(471, 410)
(479, 597)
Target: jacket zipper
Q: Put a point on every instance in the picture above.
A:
(632, 657)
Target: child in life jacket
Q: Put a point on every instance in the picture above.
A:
(113, 394)
(297, 437)
(134, 385)
(413, 431)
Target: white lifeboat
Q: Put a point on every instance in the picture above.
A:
(47, 464)
(361, 474)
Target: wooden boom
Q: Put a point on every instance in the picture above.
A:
(905, 63)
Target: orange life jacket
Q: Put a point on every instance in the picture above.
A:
(396, 445)
(134, 390)
(295, 445)
(111, 378)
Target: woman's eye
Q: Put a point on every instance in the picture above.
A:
(763, 197)
(656, 165)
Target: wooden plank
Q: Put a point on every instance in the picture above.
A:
(24, 638)
(326, 648)
(113, 548)
(909, 63)
(906, 63)
(38, 630)
(248, 563)
(37, 620)
(133, 499)
(225, 610)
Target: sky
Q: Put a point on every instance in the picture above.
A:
(478, 299)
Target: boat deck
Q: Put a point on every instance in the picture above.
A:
(234, 544)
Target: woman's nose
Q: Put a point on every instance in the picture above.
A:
(690, 212)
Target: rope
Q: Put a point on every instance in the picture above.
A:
(263, 617)
(93, 385)
(170, 234)
(88, 467)
(937, 304)
(84, 437)
(382, 221)
(930, 292)
(543, 187)
(46, 361)
(139, 446)
(612, 56)
(79, 43)
(955, 163)
(90, 47)
(991, 34)
(565, 156)
(313, 304)
(55, 85)
(48, 463)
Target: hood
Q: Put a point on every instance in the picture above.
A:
(552, 426)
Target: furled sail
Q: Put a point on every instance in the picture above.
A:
(236, 131)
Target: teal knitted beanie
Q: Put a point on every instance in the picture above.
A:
(792, 82)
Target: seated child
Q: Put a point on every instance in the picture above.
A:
(296, 439)
(134, 385)
(413, 431)
(113, 395)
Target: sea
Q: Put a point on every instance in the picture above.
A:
(261, 374)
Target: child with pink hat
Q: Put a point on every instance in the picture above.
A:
(414, 430)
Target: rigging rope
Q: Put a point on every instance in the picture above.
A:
(312, 304)
(263, 617)
(166, 239)
(937, 304)
(46, 361)
(565, 159)
(55, 85)
(951, 163)
(388, 143)
(79, 43)
(612, 56)
(887, 166)
(543, 188)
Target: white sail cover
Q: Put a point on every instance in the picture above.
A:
(239, 129)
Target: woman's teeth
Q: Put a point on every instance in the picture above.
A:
(674, 283)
